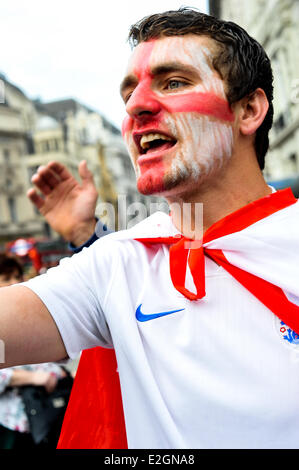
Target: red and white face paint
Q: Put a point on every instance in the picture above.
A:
(194, 117)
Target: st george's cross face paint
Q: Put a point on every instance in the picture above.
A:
(179, 123)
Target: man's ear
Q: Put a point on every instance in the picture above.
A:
(254, 108)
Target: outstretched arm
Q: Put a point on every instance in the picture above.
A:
(67, 205)
(27, 330)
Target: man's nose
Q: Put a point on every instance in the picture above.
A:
(143, 102)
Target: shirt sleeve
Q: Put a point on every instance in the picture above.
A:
(74, 293)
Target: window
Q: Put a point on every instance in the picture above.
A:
(56, 145)
(281, 85)
(47, 230)
(6, 155)
(280, 123)
(12, 209)
(8, 183)
(293, 160)
(45, 146)
(293, 157)
(30, 144)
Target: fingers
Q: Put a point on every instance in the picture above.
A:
(85, 174)
(45, 179)
(83, 170)
(35, 198)
(60, 171)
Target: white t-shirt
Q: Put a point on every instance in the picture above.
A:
(216, 373)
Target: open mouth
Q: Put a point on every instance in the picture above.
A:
(152, 142)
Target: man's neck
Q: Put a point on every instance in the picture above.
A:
(195, 211)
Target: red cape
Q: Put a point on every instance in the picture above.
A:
(94, 417)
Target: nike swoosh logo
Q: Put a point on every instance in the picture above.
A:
(143, 317)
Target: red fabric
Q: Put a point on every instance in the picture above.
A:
(35, 258)
(234, 222)
(94, 417)
(250, 214)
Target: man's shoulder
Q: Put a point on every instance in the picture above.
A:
(158, 224)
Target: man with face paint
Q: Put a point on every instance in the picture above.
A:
(195, 322)
(179, 128)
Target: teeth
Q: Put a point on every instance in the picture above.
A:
(146, 139)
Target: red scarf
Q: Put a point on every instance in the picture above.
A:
(94, 418)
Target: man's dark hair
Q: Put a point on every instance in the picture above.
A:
(9, 265)
(241, 61)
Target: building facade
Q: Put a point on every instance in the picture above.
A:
(17, 118)
(275, 24)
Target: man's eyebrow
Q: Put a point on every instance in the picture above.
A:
(169, 67)
(128, 81)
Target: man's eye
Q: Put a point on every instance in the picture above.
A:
(127, 97)
(173, 84)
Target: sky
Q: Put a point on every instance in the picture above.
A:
(73, 49)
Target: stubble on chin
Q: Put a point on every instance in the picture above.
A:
(150, 185)
(206, 147)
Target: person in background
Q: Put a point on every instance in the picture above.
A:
(14, 424)
(11, 270)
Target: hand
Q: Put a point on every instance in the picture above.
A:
(44, 379)
(67, 206)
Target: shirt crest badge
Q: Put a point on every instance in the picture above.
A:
(288, 336)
